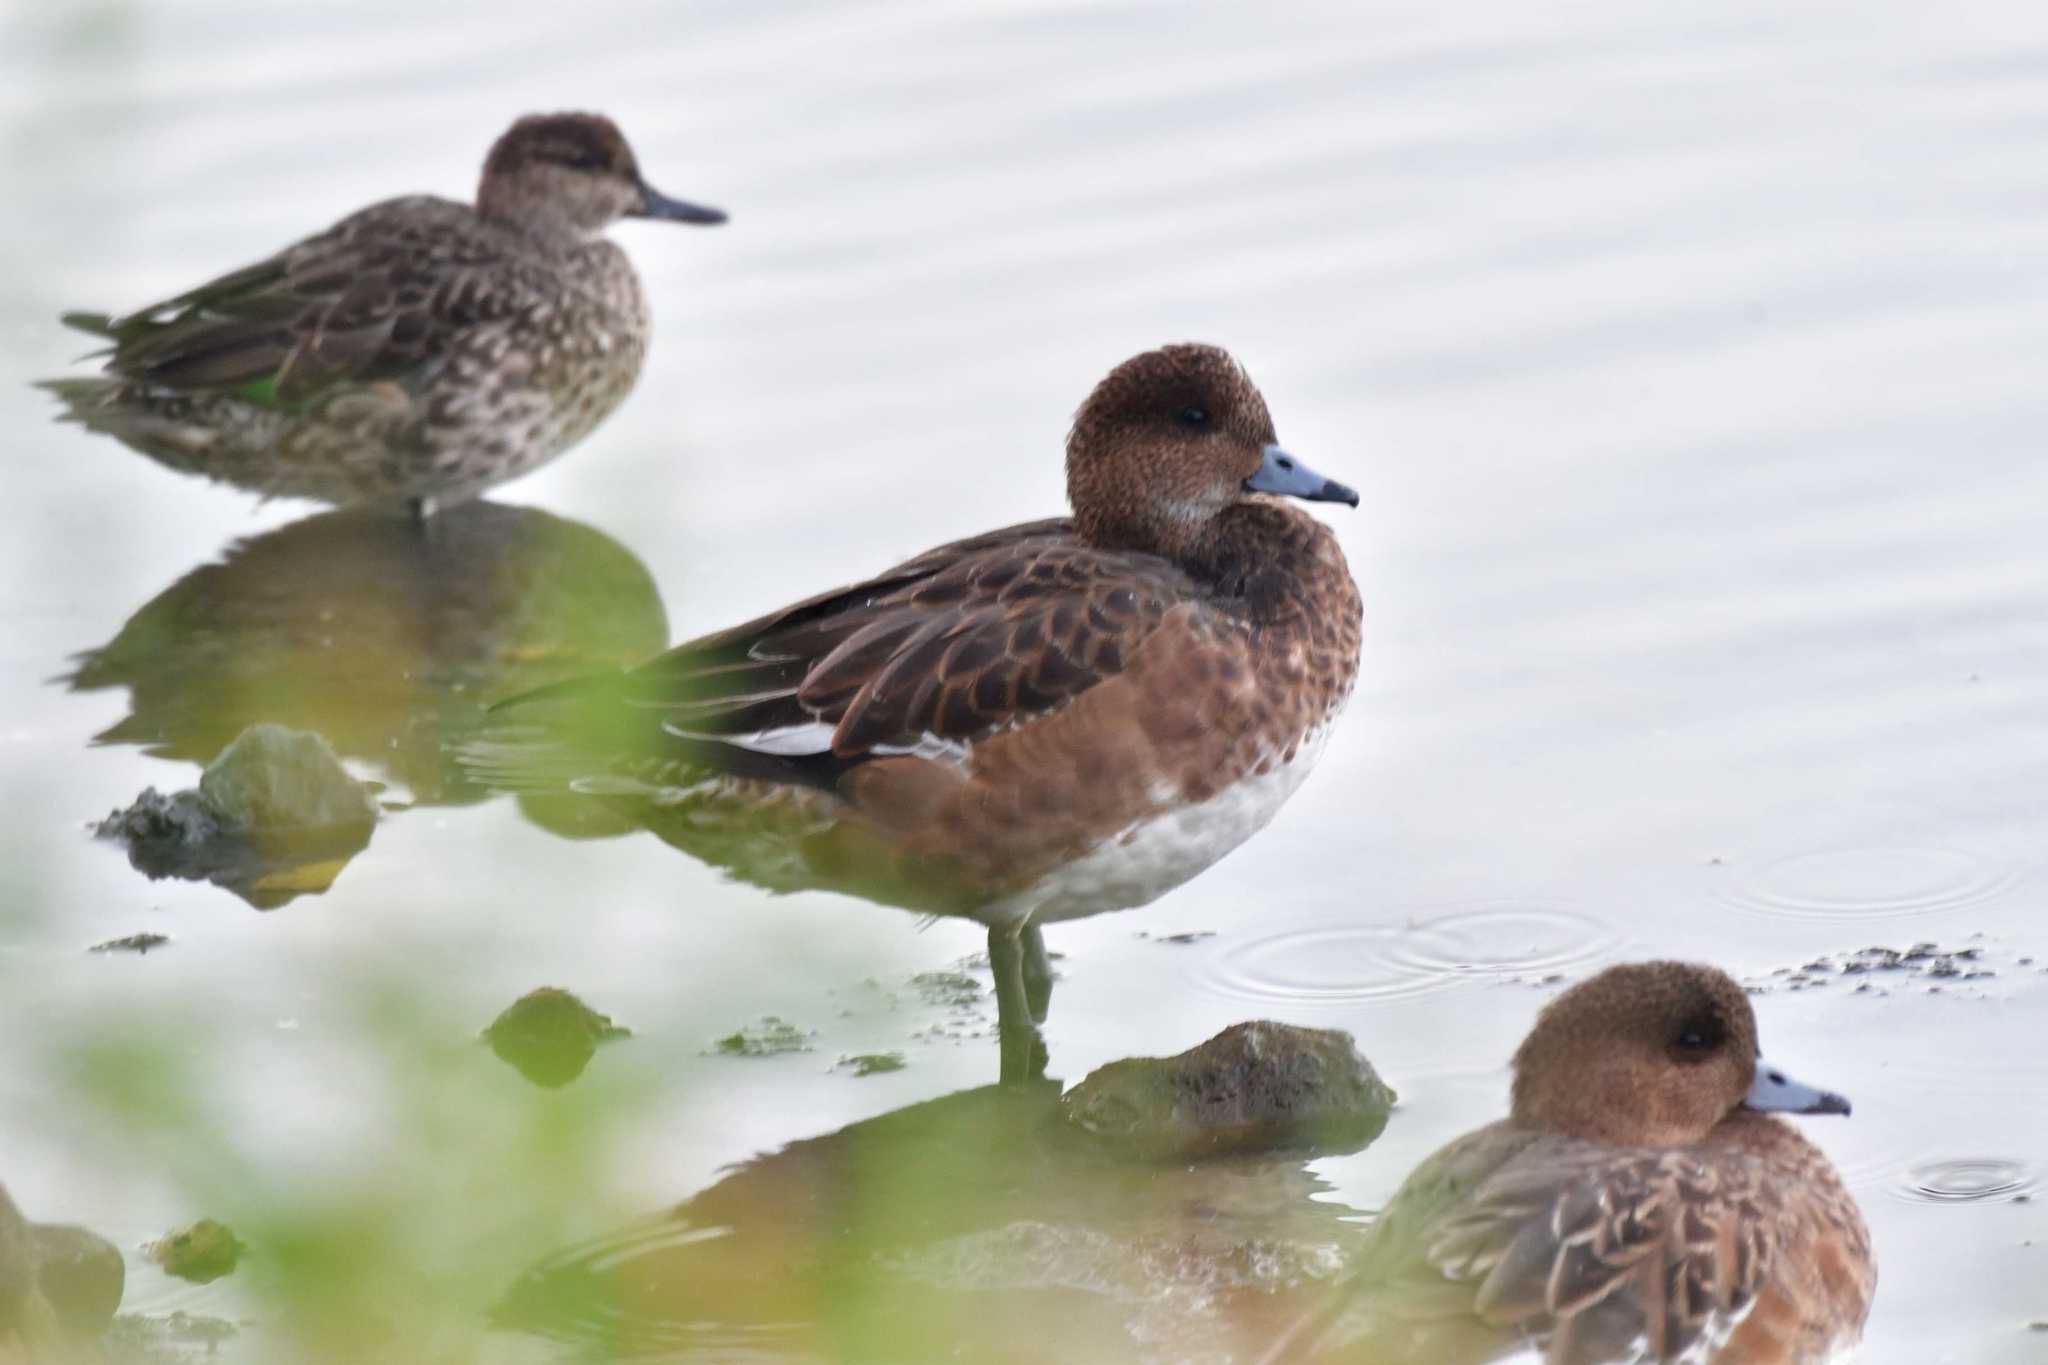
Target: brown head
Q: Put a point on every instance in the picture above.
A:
(573, 172)
(1650, 1054)
(1168, 443)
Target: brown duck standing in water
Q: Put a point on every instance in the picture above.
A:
(417, 352)
(1038, 723)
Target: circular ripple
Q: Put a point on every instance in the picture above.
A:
(1969, 1180)
(1504, 940)
(1868, 883)
(1347, 964)
(1339, 965)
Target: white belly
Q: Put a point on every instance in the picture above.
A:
(1154, 856)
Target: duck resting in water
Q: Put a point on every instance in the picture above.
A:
(1038, 723)
(1642, 1203)
(417, 352)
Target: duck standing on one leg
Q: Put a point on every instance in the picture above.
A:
(1039, 723)
(418, 351)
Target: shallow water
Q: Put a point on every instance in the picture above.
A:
(1688, 360)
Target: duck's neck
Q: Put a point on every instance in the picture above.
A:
(1259, 554)
(540, 221)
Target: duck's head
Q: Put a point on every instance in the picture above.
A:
(1171, 440)
(573, 171)
(1651, 1054)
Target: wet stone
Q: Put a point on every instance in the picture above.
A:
(1255, 1087)
(201, 1253)
(549, 1036)
(274, 816)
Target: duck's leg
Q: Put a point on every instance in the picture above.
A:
(1023, 1051)
(1037, 973)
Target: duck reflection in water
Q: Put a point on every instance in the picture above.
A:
(1046, 721)
(993, 1224)
(383, 639)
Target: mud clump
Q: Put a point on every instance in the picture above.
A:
(1875, 970)
(771, 1037)
(549, 1036)
(138, 944)
(202, 1253)
(870, 1063)
(1255, 1087)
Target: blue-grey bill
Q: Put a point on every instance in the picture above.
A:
(1283, 474)
(655, 204)
(1774, 1090)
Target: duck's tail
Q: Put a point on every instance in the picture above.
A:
(172, 429)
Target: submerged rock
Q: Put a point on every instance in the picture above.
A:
(1255, 1087)
(549, 1036)
(201, 1253)
(139, 944)
(772, 1037)
(275, 816)
(871, 1063)
(144, 1340)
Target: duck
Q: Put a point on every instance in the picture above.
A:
(414, 354)
(1644, 1201)
(1050, 720)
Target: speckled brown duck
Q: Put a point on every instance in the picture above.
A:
(418, 351)
(1042, 722)
(1639, 1204)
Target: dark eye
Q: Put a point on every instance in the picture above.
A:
(1696, 1040)
(581, 158)
(1194, 417)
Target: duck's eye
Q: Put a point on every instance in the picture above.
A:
(1695, 1041)
(1194, 417)
(581, 158)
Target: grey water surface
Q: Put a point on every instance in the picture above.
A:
(1689, 360)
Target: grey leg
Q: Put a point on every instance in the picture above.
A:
(1037, 973)
(1023, 1050)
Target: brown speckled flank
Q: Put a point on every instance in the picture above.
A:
(1636, 1205)
(419, 351)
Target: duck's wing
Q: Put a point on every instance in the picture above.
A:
(1649, 1254)
(369, 300)
(1507, 1241)
(972, 638)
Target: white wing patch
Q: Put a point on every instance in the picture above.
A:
(815, 737)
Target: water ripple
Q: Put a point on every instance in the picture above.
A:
(1969, 1180)
(1352, 963)
(1868, 883)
